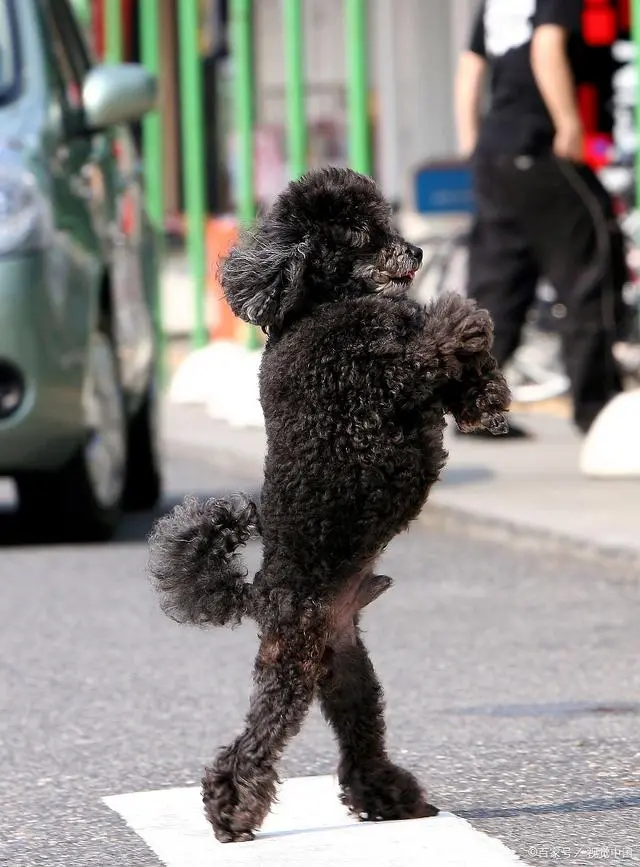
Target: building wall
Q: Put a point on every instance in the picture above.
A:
(325, 66)
(324, 57)
(413, 52)
(424, 85)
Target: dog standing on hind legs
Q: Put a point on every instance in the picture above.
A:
(355, 382)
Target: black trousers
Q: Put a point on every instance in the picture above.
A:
(549, 217)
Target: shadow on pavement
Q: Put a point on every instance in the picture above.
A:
(137, 526)
(588, 805)
(552, 709)
(134, 527)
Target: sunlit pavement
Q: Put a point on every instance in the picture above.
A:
(511, 680)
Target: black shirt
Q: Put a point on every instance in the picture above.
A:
(517, 121)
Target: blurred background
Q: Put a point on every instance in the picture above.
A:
(137, 137)
(282, 87)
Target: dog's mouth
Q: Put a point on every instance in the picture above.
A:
(406, 278)
(397, 278)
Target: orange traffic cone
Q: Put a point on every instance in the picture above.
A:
(221, 234)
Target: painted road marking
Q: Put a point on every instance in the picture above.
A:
(308, 826)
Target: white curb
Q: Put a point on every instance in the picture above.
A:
(612, 446)
(224, 378)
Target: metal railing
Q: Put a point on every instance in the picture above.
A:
(192, 122)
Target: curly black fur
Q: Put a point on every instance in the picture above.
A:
(195, 565)
(355, 382)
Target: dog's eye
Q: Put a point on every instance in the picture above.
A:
(357, 237)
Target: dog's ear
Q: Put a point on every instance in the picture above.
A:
(263, 276)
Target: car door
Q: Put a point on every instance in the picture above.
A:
(131, 259)
(78, 195)
(107, 176)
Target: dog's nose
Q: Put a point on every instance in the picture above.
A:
(416, 252)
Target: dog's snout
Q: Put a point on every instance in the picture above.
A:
(416, 252)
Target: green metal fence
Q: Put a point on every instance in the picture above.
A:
(192, 121)
(243, 90)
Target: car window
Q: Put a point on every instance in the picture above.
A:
(72, 35)
(69, 53)
(66, 76)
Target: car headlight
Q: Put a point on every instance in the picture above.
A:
(25, 214)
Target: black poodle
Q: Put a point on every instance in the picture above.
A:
(355, 382)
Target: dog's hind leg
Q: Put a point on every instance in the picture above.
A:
(373, 788)
(240, 787)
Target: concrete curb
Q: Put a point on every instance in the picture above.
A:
(525, 537)
(190, 429)
(438, 517)
(223, 378)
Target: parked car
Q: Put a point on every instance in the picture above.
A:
(78, 267)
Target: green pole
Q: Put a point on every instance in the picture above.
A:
(242, 52)
(294, 61)
(149, 18)
(193, 163)
(357, 86)
(113, 31)
(242, 48)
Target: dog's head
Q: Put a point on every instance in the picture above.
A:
(329, 236)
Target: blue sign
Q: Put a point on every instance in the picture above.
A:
(444, 189)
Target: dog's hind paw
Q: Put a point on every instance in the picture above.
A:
(236, 805)
(228, 835)
(384, 792)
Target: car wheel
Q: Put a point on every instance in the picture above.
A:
(143, 486)
(84, 498)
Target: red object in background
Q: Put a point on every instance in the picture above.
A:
(624, 15)
(97, 22)
(597, 150)
(97, 27)
(588, 103)
(603, 22)
(599, 23)
(128, 12)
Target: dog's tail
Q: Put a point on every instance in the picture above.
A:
(194, 561)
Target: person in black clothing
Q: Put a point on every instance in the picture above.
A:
(540, 209)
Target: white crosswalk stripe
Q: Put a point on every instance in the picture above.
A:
(308, 826)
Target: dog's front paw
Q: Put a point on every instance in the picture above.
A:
(384, 792)
(465, 329)
(495, 423)
(483, 405)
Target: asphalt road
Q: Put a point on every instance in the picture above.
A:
(512, 684)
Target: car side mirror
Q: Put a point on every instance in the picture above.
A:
(117, 93)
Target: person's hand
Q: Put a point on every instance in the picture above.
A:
(569, 142)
